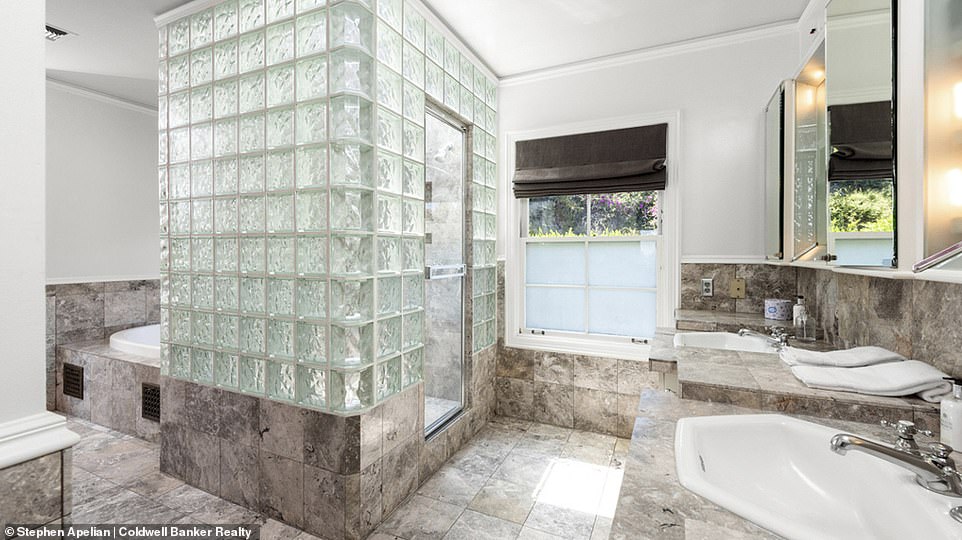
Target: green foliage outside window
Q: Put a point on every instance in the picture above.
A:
(862, 206)
(615, 214)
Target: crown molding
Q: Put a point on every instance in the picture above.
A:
(651, 53)
(100, 96)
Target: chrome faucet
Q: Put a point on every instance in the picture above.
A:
(934, 468)
(778, 338)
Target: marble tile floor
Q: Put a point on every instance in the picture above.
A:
(517, 480)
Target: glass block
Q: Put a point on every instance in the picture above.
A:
(389, 296)
(180, 326)
(280, 128)
(280, 338)
(179, 145)
(281, 380)
(280, 255)
(413, 26)
(466, 104)
(250, 52)
(179, 254)
(251, 375)
(388, 130)
(252, 256)
(251, 14)
(388, 337)
(452, 92)
(201, 141)
(351, 255)
(202, 366)
(252, 214)
(413, 103)
(225, 254)
(164, 219)
(202, 216)
(413, 287)
(162, 148)
(280, 170)
(479, 83)
(225, 19)
(388, 254)
(311, 386)
(312, 78)
(180, 289)
(311, 343)
(162, 43)
(251, 93)
(352, 345)
(490, 227)
(413, 141)
(312, 255)
(388, 213)
(178, 39)
(201, 28)
(311, 33)
(251, 135)
(413, 258)
(180, 217)
(434, 45)
(226, 293)
(225, 99)
(434, 80)
(178, 73)
(165, 254)
(179, 362)
(201, 66)
(307, 5)
(389, 172)
(352, 390)
(162, 113)
(353, 25)
(311, 122)
(389, 86)
(252, 292)
(311, 299)
(311, 211)
(412, 329)
(279, 9)
(311, 165)
(351, 118)
(280, 85)
(412, 367)
(412, 216)
(280, 213)
(280, 43)
(352, 209)
(225, 137)
(201, 104)
(225, 370)
(352, 300)
(163, 183)
(251, 176)
(280, 297)
(352, 164)
(178, 109)
(252, 335)
(413, 65)
(352, 71)
(390, 11)
(389, 47)
(387, 378)
(466, 76)
(202, 328)
(202, 254)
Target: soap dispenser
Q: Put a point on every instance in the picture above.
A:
(804, 328)
(950, 417)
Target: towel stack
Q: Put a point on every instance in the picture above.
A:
(867, 370)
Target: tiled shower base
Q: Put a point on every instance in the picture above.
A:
(514, 480)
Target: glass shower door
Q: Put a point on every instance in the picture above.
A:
(444, 275)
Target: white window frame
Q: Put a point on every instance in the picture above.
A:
(667, 245)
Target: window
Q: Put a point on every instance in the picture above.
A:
(862, 214)
(591, 264)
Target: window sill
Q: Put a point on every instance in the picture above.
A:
(586, 346)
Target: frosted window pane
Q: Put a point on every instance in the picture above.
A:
(553, 308)
(864, 251)
(555, 263)
(621, 313)
(623, 264)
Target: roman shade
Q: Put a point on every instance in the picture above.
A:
(615, 161)
(861, 139)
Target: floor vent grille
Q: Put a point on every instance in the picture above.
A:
(73, 381)
(150, 402)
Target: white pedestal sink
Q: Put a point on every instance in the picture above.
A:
(780, 473)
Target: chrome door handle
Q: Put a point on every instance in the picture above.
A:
(444, 271)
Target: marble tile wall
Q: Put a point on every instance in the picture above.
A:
(38, 491)
(761, 281)
(94, 310)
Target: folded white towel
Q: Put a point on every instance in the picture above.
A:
(856, 357)
(889, 379)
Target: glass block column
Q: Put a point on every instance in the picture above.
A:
(291, 153)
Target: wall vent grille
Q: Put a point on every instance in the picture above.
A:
(150, 402)
(73, 381)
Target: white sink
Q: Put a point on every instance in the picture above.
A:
(723, 340)
(780, 473)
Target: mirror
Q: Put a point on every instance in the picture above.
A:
(859, 82)
(774, 175)
(808, 195)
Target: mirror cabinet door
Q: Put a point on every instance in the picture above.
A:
(808, 214)
(774, 175)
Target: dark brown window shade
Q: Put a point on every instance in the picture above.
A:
(631, 159)
(861, 139)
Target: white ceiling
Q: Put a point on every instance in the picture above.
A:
(520, 36)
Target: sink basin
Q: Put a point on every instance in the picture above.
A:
(723, 340)
(780, 473)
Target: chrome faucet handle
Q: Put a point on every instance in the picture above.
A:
(906, 432)
(941, 456)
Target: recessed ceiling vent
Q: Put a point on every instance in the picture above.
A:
(54, 33)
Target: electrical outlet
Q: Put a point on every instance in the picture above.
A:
(707, 287)
(738, 288)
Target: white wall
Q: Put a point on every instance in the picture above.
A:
(721, 92)
(101, 189)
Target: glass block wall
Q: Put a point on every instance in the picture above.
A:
(291, 152)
